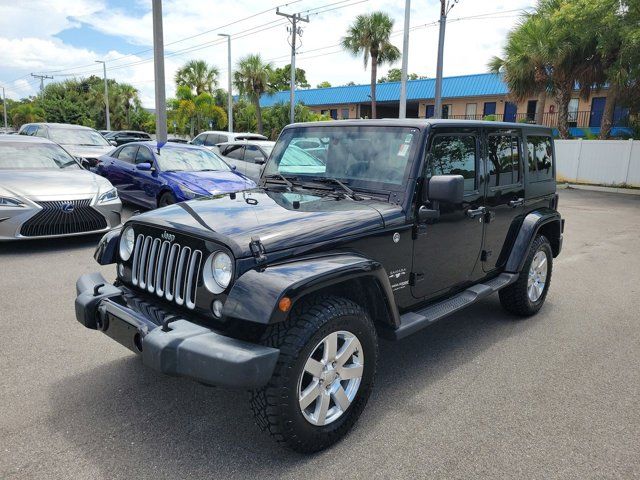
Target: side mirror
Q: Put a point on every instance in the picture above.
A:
(233, 167)
(113, 143)
(443, 188)
(86, 164)
(145, 167)
(259, 160)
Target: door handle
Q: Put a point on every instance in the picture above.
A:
(516, 203)
(476, 212)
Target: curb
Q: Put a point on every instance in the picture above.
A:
(596, 188)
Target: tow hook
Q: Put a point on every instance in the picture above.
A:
(102, 321)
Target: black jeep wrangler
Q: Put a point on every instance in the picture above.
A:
(379, 229)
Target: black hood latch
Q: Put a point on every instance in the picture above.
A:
(258, 251)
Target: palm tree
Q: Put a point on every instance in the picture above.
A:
(127, 96)
(526, 62)
(26, 113)
(369, 35)
(198, 76)
(251, 78)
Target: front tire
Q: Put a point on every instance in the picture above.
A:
(526, 296)
(324, 375)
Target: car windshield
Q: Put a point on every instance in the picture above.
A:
(368, 157)
(25, 156)
(190, 159)
(77, 136)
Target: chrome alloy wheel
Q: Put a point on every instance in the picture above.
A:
(537, 276)
(331, 378)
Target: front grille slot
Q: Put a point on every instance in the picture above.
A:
(63, 217)
(168, 270)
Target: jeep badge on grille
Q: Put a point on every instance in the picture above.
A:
(168, 236)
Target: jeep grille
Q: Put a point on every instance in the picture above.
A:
(166, 269)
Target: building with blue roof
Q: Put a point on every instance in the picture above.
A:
(478, 96)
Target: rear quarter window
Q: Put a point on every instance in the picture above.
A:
(540, 158)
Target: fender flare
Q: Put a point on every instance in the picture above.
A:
(254, 296)
(107, 250)
(529, 228)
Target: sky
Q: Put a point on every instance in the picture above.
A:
(64, 38)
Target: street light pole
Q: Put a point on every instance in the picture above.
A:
(405, 61)
(106, 93)
(158, 71)
(445, 8)
(229, 94)
(4, 108)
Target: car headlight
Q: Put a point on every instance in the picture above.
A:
(10, 202)
(127, 241)
(108, 196)
(222, 269)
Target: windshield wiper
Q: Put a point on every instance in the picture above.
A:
(279, 176)
(337, 182)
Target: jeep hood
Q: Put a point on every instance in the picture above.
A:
(279, 219)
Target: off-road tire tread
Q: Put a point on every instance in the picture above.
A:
(513, 298)
(290, 337)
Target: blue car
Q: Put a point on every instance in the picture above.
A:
(152, 177)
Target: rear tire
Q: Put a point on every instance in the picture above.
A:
(166, 199)
(526, 296)
(337, 391)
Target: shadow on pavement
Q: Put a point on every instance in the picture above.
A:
(49, 245)
(127, 419)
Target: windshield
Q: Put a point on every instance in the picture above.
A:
(77, 136)
(359, 156)
(25, 156)
(190, 159)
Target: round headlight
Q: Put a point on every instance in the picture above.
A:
(127, 240)
(222, 269)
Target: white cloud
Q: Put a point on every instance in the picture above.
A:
(469, 43)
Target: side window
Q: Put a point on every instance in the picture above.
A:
(540, 158)
(128, 153)
(234, 151)
(199, 139)
(454, 155)
(31, 130)
(504, 160)
(211, 140)
(41, 132)
(144, 156)
(253, 153)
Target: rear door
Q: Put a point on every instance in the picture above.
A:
(504, 197)
(122, 169)
(146, 183)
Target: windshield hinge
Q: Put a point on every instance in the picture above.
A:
(257, 249)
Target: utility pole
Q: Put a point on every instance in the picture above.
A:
(405, 61)
(295, 30)
(229, 94)
(106, 93)
(42, 79)
(4, 108)
(158, 71)
(445, 8)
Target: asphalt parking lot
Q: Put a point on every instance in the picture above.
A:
(479, 395)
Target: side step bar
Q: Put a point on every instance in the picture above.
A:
(411, 322)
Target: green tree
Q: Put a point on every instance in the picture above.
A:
(26, 113)
(280, 78)
(199, 76)
(323, 84)
(195, 112)
(251, 78)
(395, 75)
(369, 35)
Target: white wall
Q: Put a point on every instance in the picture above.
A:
(599, 162)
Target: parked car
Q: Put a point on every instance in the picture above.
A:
(44, 192)
(213, 137)
(177, 140)
(247, 155)
(84, 143)
(286, 288)
(152, 177)
(127, 136)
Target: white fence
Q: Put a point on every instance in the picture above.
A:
(599, 162)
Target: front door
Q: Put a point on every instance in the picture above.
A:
(446, 251)
(504, 194)
(597, 109)
(510, 110)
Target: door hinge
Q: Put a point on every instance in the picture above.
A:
(418, 230)
(415, 278)
(485, 255)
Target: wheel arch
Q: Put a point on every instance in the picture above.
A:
(255, 296)
(545, 221)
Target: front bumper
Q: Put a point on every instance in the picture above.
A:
(180, 348)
